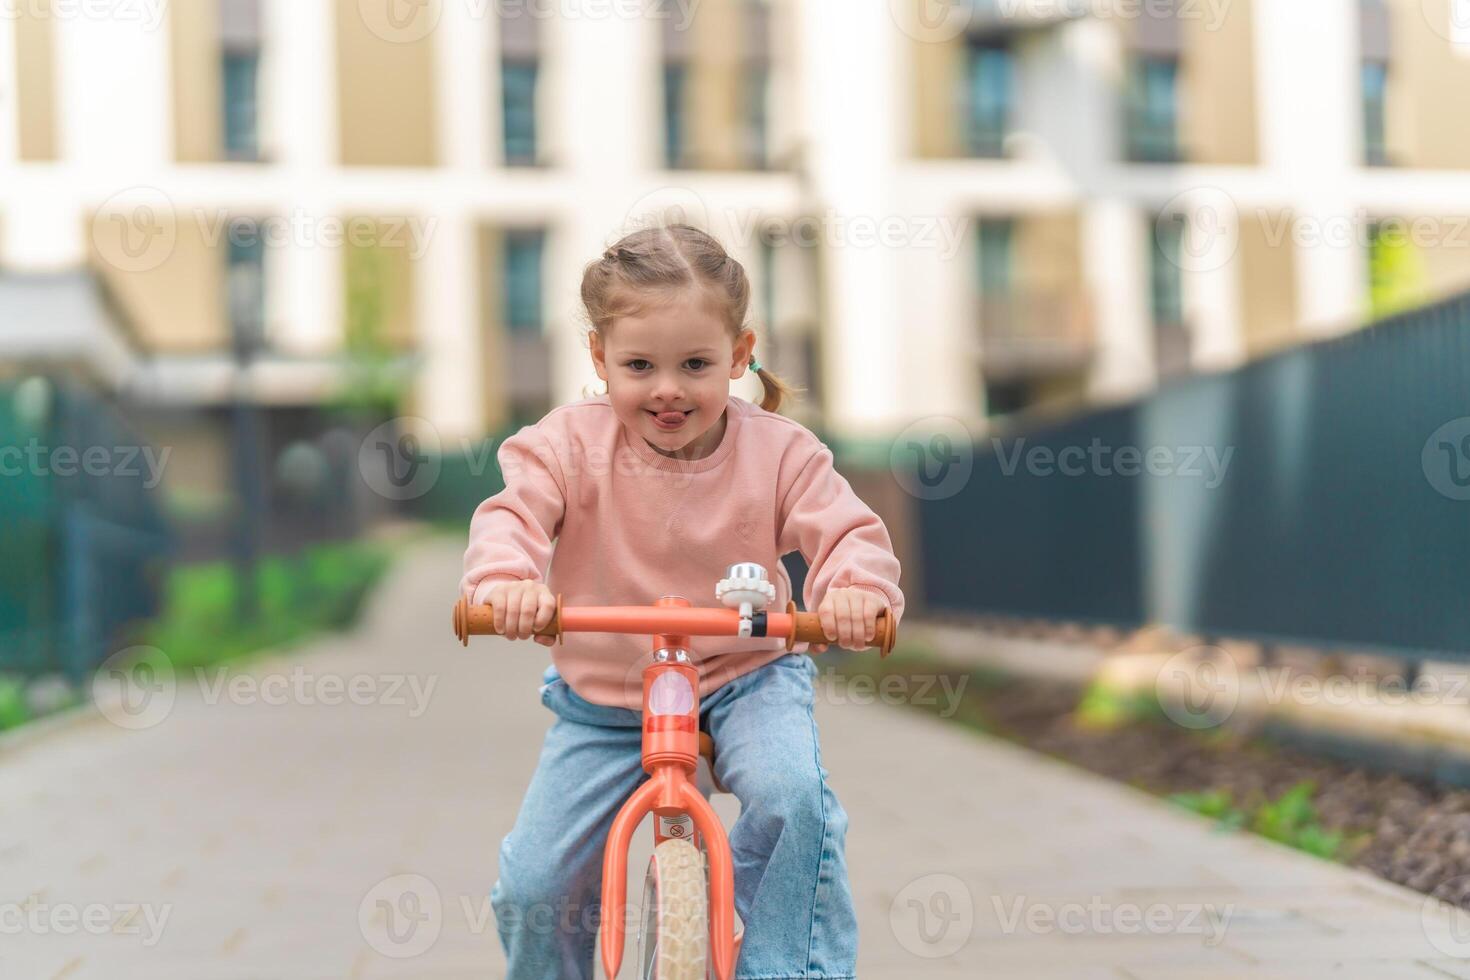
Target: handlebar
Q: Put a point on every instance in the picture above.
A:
(794, 626)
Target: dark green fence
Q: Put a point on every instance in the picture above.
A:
(81, 533)
(1319, 496)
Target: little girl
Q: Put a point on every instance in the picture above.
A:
(654, 489)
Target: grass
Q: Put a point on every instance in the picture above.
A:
(320, 589)
(1290, 819)
(14, 711)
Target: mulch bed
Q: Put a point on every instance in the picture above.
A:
(1407, 830)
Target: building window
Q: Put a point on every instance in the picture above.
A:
(756, 81)
(1166, 297)
(676, 75)
(1375, 89)
(989, 91)
(1005, 397)
(240, 82)
(518, 89)
(245, 285)
(520, 63)
(523, 251)
(757, 92)
(1153, 110)
(996, 238)
(527, 376)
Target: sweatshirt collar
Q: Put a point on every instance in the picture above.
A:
(733, 416)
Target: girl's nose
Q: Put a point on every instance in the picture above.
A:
(668, 388)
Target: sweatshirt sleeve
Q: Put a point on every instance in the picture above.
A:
(511, 533)
(844, 542)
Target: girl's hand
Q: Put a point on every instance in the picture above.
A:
(522, 608)
(849, 616)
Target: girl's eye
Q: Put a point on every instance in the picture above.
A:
(697, 363)
(637, 364)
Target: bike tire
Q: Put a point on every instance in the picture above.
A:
(673, 943)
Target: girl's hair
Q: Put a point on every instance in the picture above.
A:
(649, 265)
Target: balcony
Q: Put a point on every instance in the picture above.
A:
(1036, 332)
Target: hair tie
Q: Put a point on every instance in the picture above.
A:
(754, 364)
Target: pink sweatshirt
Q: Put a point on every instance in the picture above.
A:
(622, 524)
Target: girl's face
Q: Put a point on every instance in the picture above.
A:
(668, 373)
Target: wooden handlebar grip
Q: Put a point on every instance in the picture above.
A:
(809, 629)
(480, 621)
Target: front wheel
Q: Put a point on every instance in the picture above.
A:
(673, 941)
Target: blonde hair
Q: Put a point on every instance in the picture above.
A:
(649, 264)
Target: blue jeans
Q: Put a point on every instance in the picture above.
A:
(791, 889)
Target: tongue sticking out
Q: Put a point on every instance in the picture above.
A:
(670, 418)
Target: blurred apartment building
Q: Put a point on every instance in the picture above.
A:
(947, 208)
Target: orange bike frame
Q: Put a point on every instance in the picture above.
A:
(670, 755)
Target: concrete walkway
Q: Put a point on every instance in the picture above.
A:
(335, 814)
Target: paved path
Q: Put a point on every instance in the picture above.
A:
(276, 835)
